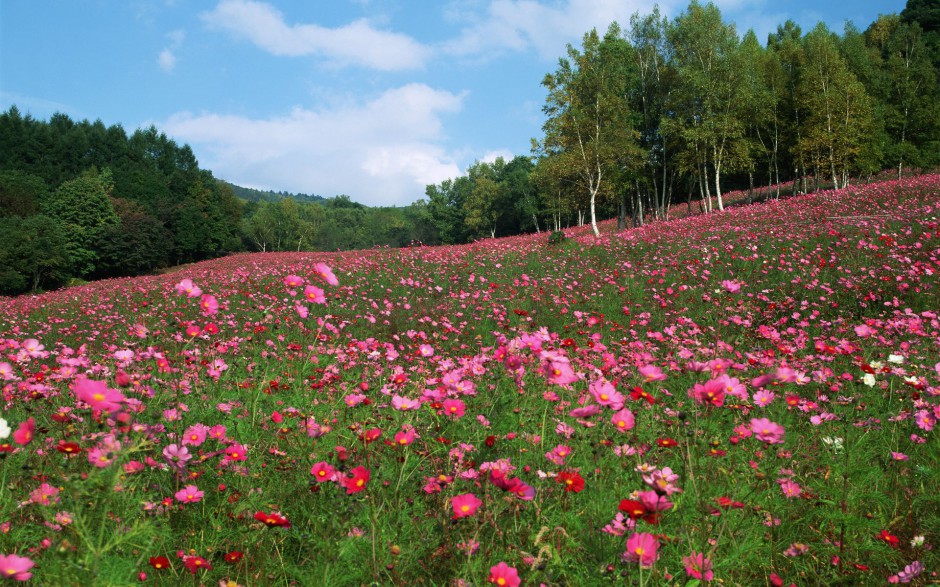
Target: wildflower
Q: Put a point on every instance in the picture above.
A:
(24, 434)
(97, 395)
(159, 562)
(465, 505)
(572, 480)
(651, 373)
(314, 294)
(236, 452)
(909, 573)
(17, 567)
(177, 455)
(790, 488)
(187, 287)
(698, 567)
(767, 431)
(638, 393)
(293, 281)
(711, 393)
(623, 420)
(405, 437)
(234, 556)
(504, 575)
(358, 481)
(45, 494)
(322, 471)
(4, 429)
(454, 408)
(189, 494)
(209, 305)
(195, 435)
(194, 564)
(642, 548)
(273, 519)
(889, 538)
(605, 394)
(325, 273)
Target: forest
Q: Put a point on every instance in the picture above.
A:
(638, 119)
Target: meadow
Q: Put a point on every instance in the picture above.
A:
(738, 398)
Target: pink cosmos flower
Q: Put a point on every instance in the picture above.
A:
(45, 494)
(189, 494)
(34, 348)
(195, 435)
(236, 452)
(710, 393)
(426, 350)
(322, 270)
(322, 472)
(454, 408)
(651, 373)
(642, 548)
(504, 576)
(623, 420)
(767, 431)
(698, 567)
(17, 567)
(606, 395)
(302, 311)
(209, 305)
(97, 395)
(465, 505)
(293, 281)
(731, 286)
(790, 488)
(358, 481)
(24, 433)
(6, 372)
(314, 294)
(188, 288)
(405, 437)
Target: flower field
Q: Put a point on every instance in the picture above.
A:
(741, 398)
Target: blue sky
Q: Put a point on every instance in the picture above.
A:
(373, 99)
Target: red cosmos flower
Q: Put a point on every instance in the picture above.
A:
(24, 434)
(666, 442)
(194, 564)
(69, 448)
(272, 519)
(889, 538)
(159, 562)
(727, 502)
(234, 556)
(633, 508)
(358, 481)
(572, 480)
(638, 393)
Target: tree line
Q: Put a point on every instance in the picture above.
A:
(636, 121)
(667, 110)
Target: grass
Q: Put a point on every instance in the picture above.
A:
(822, 307)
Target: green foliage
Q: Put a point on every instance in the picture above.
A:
(556, 237)
(33, 254)
(83, 207)
(20, 193)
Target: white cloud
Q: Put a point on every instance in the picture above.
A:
(491, 156)
(381, 152)
(518, 25)
(167, 58)
(356, 43)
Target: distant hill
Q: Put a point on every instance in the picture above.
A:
(253, 195)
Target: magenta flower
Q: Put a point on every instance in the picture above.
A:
(188, 288)
(465, 505)
(325, 273)
(623, 420)
(711, 393)
(15, 567)
(504, 575)
(209, 305)
(293, 281)
(698, 567)
(322, 472)
(642, 548)
(24, 433)
(314, 294)
(189, 494)
(97, 395)
(767, 431)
